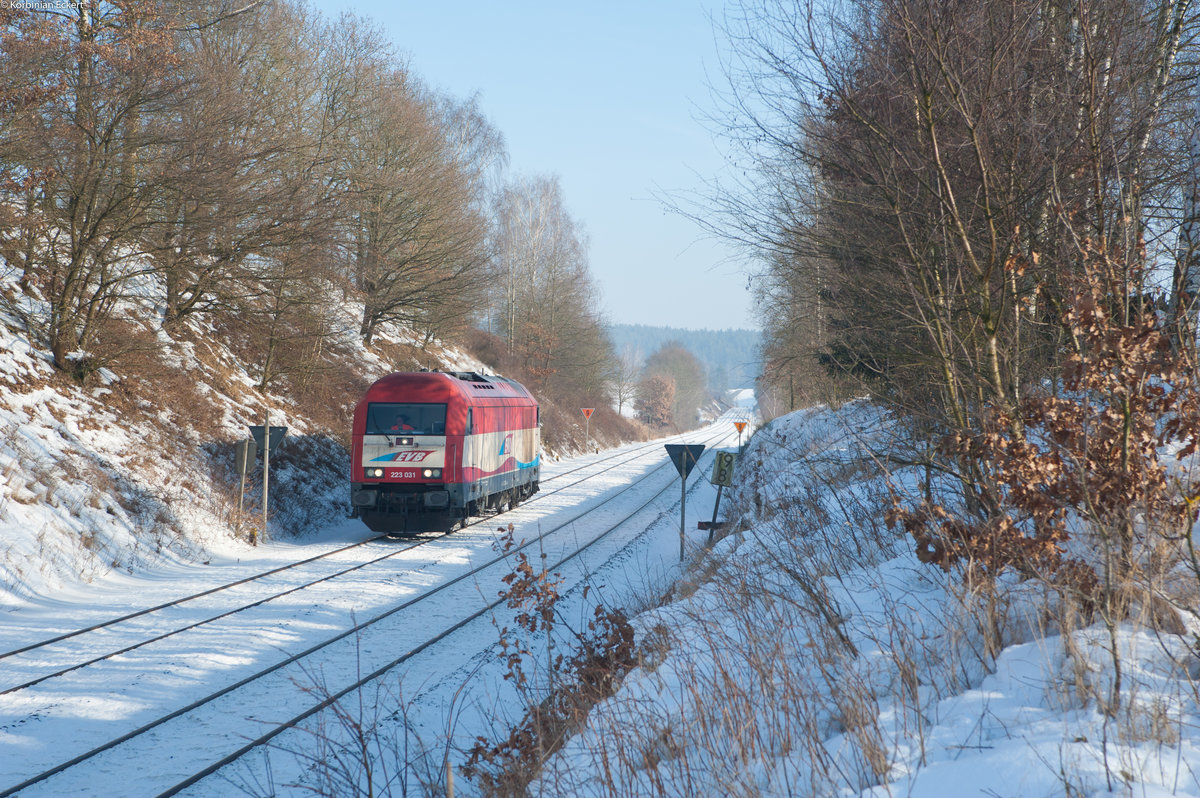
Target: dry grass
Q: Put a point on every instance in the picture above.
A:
(805, 658)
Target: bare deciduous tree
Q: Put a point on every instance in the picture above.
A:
(686, 374)
(927, 173)
(242, 179)
(548, 312)
(625, 373)
(418, 230)
(78, 145)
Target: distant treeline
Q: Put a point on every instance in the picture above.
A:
(730, 357)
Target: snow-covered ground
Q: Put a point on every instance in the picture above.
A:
(819, 657)
(808, 653)
(454, 691)
(134, 472)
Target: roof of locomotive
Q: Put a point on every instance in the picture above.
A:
(468, 384)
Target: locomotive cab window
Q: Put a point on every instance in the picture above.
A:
(414, 418)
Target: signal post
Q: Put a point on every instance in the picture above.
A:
(587, 428)
(684, 456)
(740, 425)
(266, 439)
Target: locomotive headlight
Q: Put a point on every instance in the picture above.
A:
(432, 473)
(375, 472)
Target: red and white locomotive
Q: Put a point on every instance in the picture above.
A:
(431, 448)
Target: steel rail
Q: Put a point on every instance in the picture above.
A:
(184, 599)
(412, 652)
(342, 635)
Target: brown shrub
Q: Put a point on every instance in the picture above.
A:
(603, 653)
(1080, 464)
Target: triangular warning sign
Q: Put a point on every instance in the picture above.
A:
(684, 456)
(587, 411)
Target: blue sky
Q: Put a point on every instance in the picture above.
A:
(607, 96)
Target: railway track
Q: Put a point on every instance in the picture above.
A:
(459, 567)
(606, 463)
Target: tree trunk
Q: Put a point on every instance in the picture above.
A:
(367, 330)
(1187, 266)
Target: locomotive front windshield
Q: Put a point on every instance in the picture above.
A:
(397, 418)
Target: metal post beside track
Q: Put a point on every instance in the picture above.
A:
(684, 456)
(266, 470)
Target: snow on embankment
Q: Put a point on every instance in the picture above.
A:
(820, 657)
(133, 469)
(67, 505)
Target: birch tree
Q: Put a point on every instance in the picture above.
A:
(547, 312)
(1186, 288)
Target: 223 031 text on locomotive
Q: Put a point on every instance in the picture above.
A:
(431, 449)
